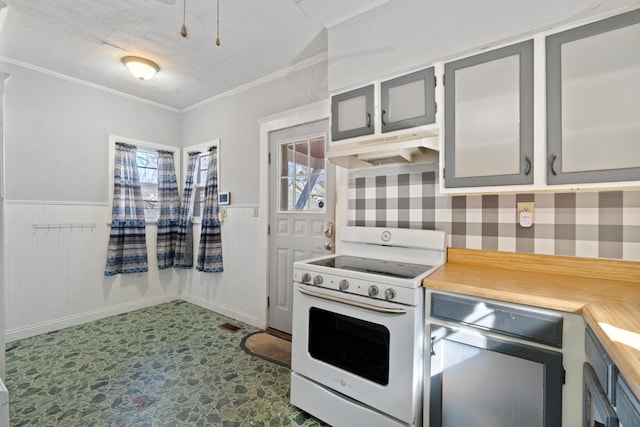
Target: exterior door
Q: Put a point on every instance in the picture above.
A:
(301, 210)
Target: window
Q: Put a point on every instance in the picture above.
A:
(200, 173)
(147, 162)
(302, 174)
(200, 180)
(148, 171)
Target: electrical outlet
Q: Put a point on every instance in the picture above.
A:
(526, 214)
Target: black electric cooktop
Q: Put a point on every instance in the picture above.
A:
(401, 270)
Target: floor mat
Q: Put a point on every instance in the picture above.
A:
(268, 347)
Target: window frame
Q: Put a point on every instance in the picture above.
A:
(203, 148)
(143, 146)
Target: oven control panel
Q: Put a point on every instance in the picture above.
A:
(365, 288)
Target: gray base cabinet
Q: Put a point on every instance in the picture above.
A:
(627, 405)
(605, 389)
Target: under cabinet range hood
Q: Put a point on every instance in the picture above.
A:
(413, 147)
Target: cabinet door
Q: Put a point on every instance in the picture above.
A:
(627, 404)
(593, 102)
(352, 113)
(596, 409)
(408, 101)
(482, 381)
(489, 118)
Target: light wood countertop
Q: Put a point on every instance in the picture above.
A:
(605, 292)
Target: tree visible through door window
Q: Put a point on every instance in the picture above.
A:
(302, 174)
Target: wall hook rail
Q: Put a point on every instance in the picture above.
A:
(69, 225)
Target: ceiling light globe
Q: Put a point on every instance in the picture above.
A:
(141, 68)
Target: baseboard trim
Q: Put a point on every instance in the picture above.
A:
(78, 319)
(242, 317)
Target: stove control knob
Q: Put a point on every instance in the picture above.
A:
(389, 294)
(306, 277)
(373, 290)
(317, 280)
(344, 285)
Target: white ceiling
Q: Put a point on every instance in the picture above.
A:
(86, 39)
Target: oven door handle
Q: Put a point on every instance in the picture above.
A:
(366, 306)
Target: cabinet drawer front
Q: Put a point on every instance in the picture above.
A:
(512, 321)
(627, 405)
(601, 363)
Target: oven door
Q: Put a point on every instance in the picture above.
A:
(369, 350)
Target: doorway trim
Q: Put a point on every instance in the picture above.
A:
(297, 116)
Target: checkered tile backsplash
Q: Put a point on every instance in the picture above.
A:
(586, 224)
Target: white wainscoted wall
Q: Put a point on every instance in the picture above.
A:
(234, 292)
(54, 269)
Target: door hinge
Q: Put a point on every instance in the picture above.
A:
(269, 160)
(268, 229)
(435, 81)
(564, 376)
(435, 107)
(444, 174)
(268, 302)
(443, 81)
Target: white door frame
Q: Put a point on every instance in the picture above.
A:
(297, 116)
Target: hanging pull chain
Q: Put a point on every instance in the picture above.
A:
(218, 25)
(183, 30)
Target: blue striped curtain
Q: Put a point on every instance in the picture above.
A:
(184, 238)
(169, 204)
(127, 251)
(210, 252)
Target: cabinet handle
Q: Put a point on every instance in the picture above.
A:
(553, 163)
(368, 120)
(382, 117)
(528, 160)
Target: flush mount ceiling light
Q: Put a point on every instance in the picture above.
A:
(141, 68)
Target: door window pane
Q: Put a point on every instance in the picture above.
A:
(302, 174)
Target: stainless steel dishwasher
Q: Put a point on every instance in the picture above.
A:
(493, 364)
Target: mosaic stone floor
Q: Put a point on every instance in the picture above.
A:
(168, 365)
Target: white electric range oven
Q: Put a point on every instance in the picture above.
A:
(358, 327)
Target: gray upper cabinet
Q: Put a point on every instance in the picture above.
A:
(408, 101)
(352, 113)
(488, 118)
(593, 102)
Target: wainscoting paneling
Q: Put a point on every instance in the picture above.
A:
(234, 292)
(54, 276)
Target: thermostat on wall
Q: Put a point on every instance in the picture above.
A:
(224, 198)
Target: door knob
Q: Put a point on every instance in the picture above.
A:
(328, 245)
